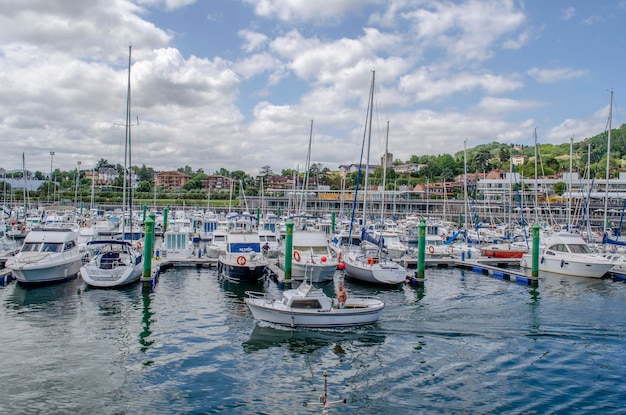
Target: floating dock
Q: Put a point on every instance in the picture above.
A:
(485, 266)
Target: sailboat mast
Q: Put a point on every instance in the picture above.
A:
(608, 162)
(382, 207)
(369, 140)
(536, 189)
(304, 199)
(127, 143)
(464, 182)
(569, 190)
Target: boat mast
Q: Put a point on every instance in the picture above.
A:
(569, 190)
(369, 140)
(382, 207)
(536, 189)
(303, 199)
(127, 158)
(608, 162)
(464, 181)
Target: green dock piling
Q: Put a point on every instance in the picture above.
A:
(165, 211)
(147, 250)
(421, 249)
(288, 248)
(535, 270)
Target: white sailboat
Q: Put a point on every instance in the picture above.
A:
(117, 263)
(367, 262)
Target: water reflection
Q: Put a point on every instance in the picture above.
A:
(265, 336)
(44, 297)
(146, 320)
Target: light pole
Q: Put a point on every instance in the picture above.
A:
(77, 181)
(51, 180)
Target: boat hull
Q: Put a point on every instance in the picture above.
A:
(314, 272)
(41, 274)
(496, 253)
(354, 314)
(117, 277)
(568, 266)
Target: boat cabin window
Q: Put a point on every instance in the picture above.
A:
(311, 303)
(51, 247)
(320, 250)
(559, 248)
(579, 249)
(69, 245)
(31, 247)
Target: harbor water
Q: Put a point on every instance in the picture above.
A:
(463, 343)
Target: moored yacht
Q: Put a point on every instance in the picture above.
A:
(47, 255)
(567, 253)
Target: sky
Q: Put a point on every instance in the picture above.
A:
(243, 84)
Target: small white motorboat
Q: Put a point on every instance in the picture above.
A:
(307, 306)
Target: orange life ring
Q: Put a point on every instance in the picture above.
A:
(138, 245)
(370, 261)
(23, 228)
(296, 255)
(431, 249)
(241, 260)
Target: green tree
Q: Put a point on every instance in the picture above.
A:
(559, 188)
(481, 161)
(265, 171)
(505, 155)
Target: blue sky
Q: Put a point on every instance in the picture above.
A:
(236, 83)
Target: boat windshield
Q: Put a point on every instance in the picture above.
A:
(31, 247)
(51, 247)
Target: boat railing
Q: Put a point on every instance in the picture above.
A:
(259, 295)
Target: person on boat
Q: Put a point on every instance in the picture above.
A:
(266, 249)
(342, 296)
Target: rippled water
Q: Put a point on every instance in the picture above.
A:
(464, 343)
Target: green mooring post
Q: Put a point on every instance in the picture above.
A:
(288, 248)
(421, 258)
(332, 223)
(535, 271)
(147, 250)
(165, 211)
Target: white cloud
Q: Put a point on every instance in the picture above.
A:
(502, 105)
(568, 13)
(253, 40)
(468, 30)
(317, 11)
(546, 76)
(428, 84)
(591, 20)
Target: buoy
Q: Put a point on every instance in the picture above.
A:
(323, 258)
(370, 261)
(341, 266)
